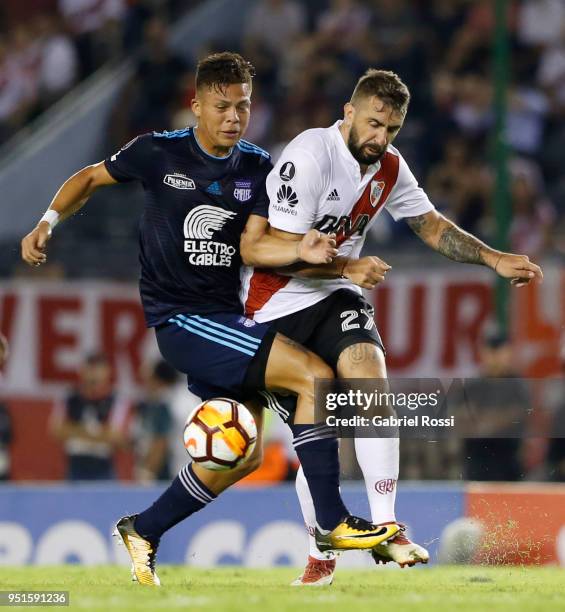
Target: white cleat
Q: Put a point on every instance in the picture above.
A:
(141, 551)
(400, 550)
(318, 572)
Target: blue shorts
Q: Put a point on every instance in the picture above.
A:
(221, 354)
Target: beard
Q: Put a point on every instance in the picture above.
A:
(364, 154)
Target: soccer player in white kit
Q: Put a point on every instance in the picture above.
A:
(338, 180)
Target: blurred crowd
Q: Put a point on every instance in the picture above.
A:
(94, 422)
(308, 56)
(106, 434)
(513, 421)
(48, 46)
(443, 50)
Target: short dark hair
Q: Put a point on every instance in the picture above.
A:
(385, 85)
(96, 358)
(495, 338)
(222, 69)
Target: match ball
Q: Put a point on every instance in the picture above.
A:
(220, 434)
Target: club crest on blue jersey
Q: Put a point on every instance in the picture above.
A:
(242, 191)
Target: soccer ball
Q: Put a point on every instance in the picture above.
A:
(220, 434)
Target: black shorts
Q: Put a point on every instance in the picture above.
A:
(330, 326)
(327, 329)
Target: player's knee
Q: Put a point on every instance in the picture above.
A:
(314, 369)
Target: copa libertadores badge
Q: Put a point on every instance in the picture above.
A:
(287, 171)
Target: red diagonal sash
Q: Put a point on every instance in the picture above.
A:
(264, 283)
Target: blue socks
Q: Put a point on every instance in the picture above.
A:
(317, 450)
(185, 496)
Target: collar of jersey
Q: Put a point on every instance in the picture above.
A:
(345, 152)
(206, 152)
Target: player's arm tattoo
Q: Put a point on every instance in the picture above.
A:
(286, 340)
(448, 239)
(360, 353)
(416, 224)
(460, 246)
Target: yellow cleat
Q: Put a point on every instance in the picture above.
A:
(355, 533)
(141, 551)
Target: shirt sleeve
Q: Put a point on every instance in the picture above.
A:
(295, 187)
(261, 207)
(407, 198)
(131, 161)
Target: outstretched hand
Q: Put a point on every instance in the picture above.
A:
(317, 248)
(518, 268)
(35, 243)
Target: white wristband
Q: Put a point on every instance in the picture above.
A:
(51, 216)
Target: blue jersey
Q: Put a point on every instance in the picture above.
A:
(196, 207)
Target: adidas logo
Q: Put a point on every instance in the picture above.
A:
(334, 196)
(214, 189)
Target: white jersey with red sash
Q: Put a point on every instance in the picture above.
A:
(317, 183)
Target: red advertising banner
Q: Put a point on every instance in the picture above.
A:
(51, 326)
(430, 323)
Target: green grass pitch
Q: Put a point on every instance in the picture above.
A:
(432, 589)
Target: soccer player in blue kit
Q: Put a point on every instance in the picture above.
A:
(204, 188)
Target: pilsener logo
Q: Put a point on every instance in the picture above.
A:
(179, 181)
(199, 227)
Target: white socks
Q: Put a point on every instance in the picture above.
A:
(378, 459)
(309, 515)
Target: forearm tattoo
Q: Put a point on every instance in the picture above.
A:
(460, 246)
(416, 224)
(453, 242)
(286, 340)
